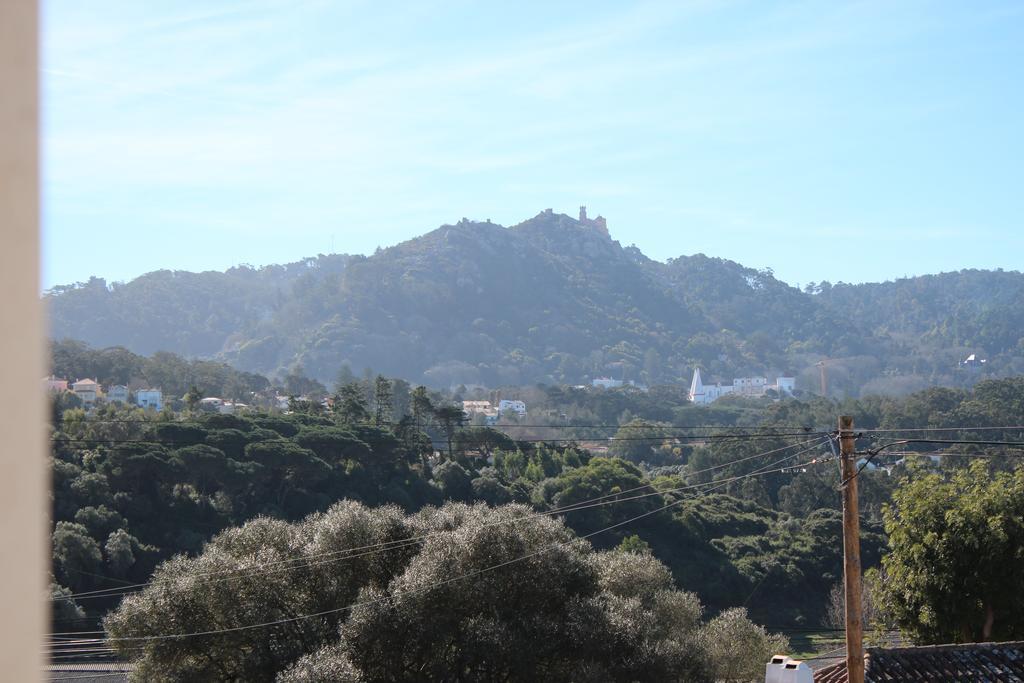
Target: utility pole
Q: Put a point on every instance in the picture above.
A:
(851, 553)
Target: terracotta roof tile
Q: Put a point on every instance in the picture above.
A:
(996, 662)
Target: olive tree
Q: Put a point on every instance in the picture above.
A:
(737, 648)
(456, 593)
(495, 596)
(265, 571)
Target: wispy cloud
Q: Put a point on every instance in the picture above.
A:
(262, 113)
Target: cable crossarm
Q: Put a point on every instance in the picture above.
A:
(446, 581)
(398, 544)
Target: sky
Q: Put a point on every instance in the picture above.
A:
(853, 142)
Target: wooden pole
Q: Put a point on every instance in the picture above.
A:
(851, 553)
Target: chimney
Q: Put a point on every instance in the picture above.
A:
(782, 669)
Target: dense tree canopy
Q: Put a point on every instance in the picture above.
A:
(132, 489)
(955, 565)
(485, 594)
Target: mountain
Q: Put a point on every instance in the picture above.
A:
(555, 299)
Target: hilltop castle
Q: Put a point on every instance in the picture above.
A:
(600, 223)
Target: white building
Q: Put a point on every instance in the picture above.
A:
(517, 407)
(232, 407)
(117, 393)
(785, 385)
(606, 383)
(750, 387)
(972, 361)
(150, 398)
(215, 404)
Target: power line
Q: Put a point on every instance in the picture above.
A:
(942, 429)
(85, 676)
(606, 425)
(956, 442)
(872, 452)
(1013, 455)
(562, 440)
(308, 561)
(402, 593)
(72, 651)
(716, 485)
(791, 430)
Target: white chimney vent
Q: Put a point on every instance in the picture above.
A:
(782, 669)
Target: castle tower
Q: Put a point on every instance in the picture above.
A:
(583, 214)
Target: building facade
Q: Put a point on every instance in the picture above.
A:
(117, 393)
(749, 387)
(55, 385)
(88, 390)
(511, 406)
(150, 398)
(484, 408)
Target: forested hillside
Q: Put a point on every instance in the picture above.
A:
(742, 511)
(557, 301)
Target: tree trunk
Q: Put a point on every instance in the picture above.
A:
(990, 619)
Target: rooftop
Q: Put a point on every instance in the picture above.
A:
(964, 662)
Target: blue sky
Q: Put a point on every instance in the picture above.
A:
(841, 141)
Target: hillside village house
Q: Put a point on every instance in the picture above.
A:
(150, 398)
(117, 393)
(492, 412)
(471, 407)
(750, 387)
(52, 384)
(219, 405)
(517, 407)
(484, 408)
(87, 390)
(609, 383)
